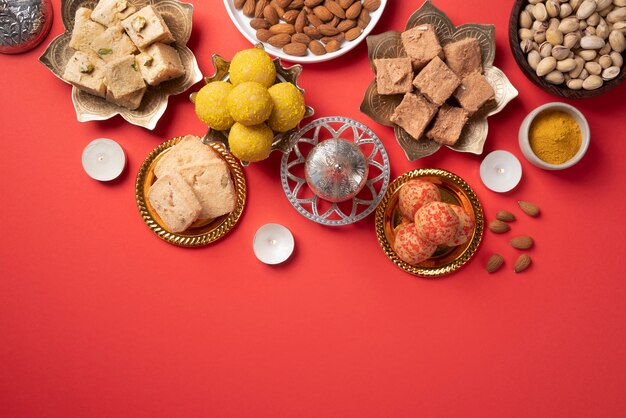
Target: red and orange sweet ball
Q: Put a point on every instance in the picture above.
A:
(410, 247)
(415, 194)
(436, 222)
(466, 227)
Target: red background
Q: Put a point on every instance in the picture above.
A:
(100, 318)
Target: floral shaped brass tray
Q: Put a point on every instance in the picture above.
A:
(453, 190)
(202, 232)
(389, 45)
(283, 74)
(88, 107)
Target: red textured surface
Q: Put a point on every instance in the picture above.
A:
(100, 318)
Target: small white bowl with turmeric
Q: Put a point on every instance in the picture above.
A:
(554, 136)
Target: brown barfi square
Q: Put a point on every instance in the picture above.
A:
(414, 114)
(474, 92)
(436, 81)
(421, 44)
(464, 57)
(448, 125)
(393, 75)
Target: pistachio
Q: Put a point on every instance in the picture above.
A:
(575, 4)
(553, 23)
(619, 3)
(594, 19)
(139, 23)
(105, 51)
(566, 10)
(540, 12)
(605, 61)
(603, 4)
(148, 61)
(86, 68)
(537, 26)
(560, 52)
(533, 59)
(592, 82)
(555, 77)
(593, 68)
(539, 36)
(569, 24)
(617, 15)
(546, 66)
(580, 66)
(605, 49)
(526, 46)
(617, 59)
(603, 30)
(571, 40)
(545, 49)
(525, 34)
(586, 9)
(555, 37)
(582, 24)
(575, 84)
(566, 65)
(620, 26)
(587, 54)
(591, 42)
(605, 12)
(610, 73)
(553, 8)
(525, 20)
(589, 31)
(617, 41)
(583, 74)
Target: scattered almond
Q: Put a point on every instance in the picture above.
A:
(505, 216)
(317, 48)
(494, 263)
(522, 263)
(529, 209)
(522, 242)
(499, 227)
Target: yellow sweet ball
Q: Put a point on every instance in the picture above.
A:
(250, 143)
(210, 105)
(249, 103)
(288, 107)
(252, 65)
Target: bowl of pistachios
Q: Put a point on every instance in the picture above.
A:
(570, 48)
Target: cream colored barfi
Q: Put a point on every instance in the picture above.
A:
(436, 81)
(159, 63)
(146, 27)
(84, 71)
(414, 114)
(112, 44)
(125, 86)
(85, 30)
(393, 75)
(111, 12)
(421, 45)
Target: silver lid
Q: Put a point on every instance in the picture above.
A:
(24, 24)
(336, 170)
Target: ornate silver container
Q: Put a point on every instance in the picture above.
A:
(23, 24)
(336, 170)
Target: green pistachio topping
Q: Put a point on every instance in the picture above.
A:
(105, 51)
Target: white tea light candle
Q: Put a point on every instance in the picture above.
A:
(273, 244)
(500, 171)
(103, 159)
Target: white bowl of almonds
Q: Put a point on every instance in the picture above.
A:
(570, 48)
(305, 31)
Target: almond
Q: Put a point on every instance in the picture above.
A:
(346, 24)
(312, 3)
(295, 49)
(300, 38)
(328, 30)
(364, 19)
(291, 16)
(505, 216)
(239, 4)
(283, 3)
(314, 20)
(371, 5)
(522, 263)
(353, 33)
(312, 32)
(259, 23)
(249, 8)
(263, 35)
(354, 11)
(296, 4)
(494, 263)
(270, 15)
(523, 242)
(281, 28)
(260, 7)
(301, 22)
(323, 13)
(529, 209)
(317, 48)
(345, 4)
(340, 37)
(333, 46)
(279, 10)
(279, 40)
(499, 227)
(335, 9)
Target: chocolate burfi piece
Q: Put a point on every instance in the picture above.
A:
(464, 57)
(448, 125)
(393, 75)
(436, 81)
(414, 114)
(421, 45)
(474, 92)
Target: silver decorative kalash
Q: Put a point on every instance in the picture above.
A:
(23, 24)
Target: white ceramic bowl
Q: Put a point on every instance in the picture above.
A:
(243, 24)
(524, 142)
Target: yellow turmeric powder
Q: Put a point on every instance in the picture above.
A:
(555, 136)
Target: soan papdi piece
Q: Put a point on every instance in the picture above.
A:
(85, 30)
(124, 82)
(212, 185)
(421, 44)
(474, 92)
(464, 56)
(85, 72)
(174, 201)
(112, 44)
(146, 27)
(159, 63)
(448, 125)
(111, 12)
(436, 81)
(414, 114)
(189, 151)
(393, 75)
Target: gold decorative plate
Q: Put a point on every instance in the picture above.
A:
(453, 190)
(88, 107)
(389, 45)
(202, 232)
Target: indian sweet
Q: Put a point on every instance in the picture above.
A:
(125, 86)
(474, 92)
(249, 103)
(393, 75)
(158, 63)
(288, 107)
(463, 56)
(414, 114)
(415, 194)
(448, 125)
(436, 81)
(250, 143)
(211, 107)
(252, 64)
(436, 222)
(465, 229)
(410, 246)
(421, 45)
(84, 71)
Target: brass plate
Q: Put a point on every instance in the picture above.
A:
(88, 107)
(389, 45)
(202, 232)
(453, 190)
